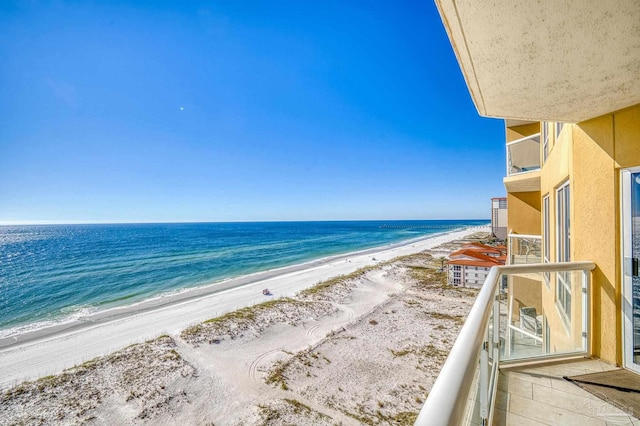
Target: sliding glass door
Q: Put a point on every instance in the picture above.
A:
(631, 273)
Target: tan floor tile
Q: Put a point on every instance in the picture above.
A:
(592, 365)
(585, 403)
(537, 377)
(568, 387)
(568, 368)
(562, 371)
(623, 422)
(504, 418)
(548, 414)
(515, 386)
(606, 366)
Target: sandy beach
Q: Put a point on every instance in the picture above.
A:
(364, 348)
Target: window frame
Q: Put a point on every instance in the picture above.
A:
(563, 249)
(544, 135)
(558, 128)
(546, 237)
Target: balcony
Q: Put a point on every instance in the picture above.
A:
(528, 327)
(524, 249)
(523, 164)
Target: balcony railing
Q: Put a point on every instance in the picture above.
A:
(523, 155)
(524, 249)
(523, 313)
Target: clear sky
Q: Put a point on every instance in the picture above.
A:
(142, 111)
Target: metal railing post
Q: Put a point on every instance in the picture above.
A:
(508, 332)
(585, 310)
(484, 381)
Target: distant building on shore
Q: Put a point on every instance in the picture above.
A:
(499, 218)
(469, 266)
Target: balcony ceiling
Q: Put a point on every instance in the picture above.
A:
(547, 59)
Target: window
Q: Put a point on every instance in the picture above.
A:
(563, 248)
(456, 267)
(545, 140)
(563, 236)
(546, 237)
(558, 127)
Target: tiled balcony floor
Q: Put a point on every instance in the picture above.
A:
(538, 395)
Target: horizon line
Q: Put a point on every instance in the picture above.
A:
(89, 222)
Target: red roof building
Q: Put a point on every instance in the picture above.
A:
(470, 265)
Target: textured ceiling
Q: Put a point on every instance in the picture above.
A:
(547, 59)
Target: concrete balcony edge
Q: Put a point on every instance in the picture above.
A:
(523, 182)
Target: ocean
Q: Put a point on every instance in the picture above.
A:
(54, 273)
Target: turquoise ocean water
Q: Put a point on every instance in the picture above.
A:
(50, 273)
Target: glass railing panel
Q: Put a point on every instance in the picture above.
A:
(481, 402)
(543, 318)
(523, 155)
(525, 249)
(522, 313)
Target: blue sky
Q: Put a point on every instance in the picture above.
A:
(140, 111)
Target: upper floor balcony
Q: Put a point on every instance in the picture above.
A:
(528, 328)
(524, 249)
(523, 164)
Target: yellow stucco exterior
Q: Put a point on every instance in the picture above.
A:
(518, 132)
(523, 212)
(589, 156)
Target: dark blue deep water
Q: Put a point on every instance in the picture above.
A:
(52, 272)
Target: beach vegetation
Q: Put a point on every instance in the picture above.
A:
(192, 331)
(430, 351)
(458, 319)
(427, 276)
(404, 418)
(362, 417)
(402, 352)
(279, 411)
(240, 319)
(269, 414)
(298, 407)
(340, 279)
(172, 355)
(277, 377)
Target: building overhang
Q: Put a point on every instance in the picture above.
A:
(547, 60)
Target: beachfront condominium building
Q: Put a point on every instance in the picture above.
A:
(499, 218)
(470, 265)
(565, 77)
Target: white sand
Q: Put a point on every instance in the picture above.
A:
(33, 355)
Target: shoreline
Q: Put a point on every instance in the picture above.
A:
(52, 349)
(31, 331)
